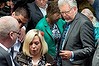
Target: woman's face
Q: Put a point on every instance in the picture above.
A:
(54, 17)
(35, 46)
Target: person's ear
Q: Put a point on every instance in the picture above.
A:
(91, 18)
(11, 35)
(13, 14)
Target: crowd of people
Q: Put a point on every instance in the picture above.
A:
(48, 33)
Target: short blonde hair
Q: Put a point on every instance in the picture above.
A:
(28, 39)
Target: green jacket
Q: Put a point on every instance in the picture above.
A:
(44, 26)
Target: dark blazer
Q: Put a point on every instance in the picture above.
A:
(95, 61)
(5, 59)
(80, 40)
(35, 15)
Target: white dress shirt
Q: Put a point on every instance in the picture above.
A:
(43, 10)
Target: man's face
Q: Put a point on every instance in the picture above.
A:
(21, 20)
(67, 12)
(41, 3)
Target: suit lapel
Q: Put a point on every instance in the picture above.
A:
(16, 63)
(7, 56)
(38, 11)
(72, 25)
(59, 26)
(48, 30)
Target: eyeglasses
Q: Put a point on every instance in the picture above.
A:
(16, 32)
(20, 22)
(65, 12)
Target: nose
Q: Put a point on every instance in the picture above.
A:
(41, 1)
(33, 45)
(65, 15)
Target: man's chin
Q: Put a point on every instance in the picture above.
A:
(68, 20)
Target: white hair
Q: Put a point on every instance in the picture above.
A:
(72, 3)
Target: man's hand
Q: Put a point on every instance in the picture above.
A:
(65, 54)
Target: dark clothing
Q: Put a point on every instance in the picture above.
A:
(96, 8)
(5, 59)
(3, 13)
(26, 60)
(95, 61)
(35, 15)
(80, 40)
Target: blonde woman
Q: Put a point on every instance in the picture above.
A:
(34, 50)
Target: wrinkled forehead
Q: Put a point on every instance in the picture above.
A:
(64, 7)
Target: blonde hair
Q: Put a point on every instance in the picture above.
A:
(28, 39)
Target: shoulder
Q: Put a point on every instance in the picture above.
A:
(1, 55)
(22, 58)
(83, 19)
(31, 4)
(61, 21)
(41, 22)
(49, 58)
(3, 52)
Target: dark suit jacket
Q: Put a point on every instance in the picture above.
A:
(35, 15)
(95, 61)
(5, 59)
(80, 40)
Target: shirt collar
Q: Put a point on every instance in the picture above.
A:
(3, 47)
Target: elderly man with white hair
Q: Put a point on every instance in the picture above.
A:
(77, 43)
